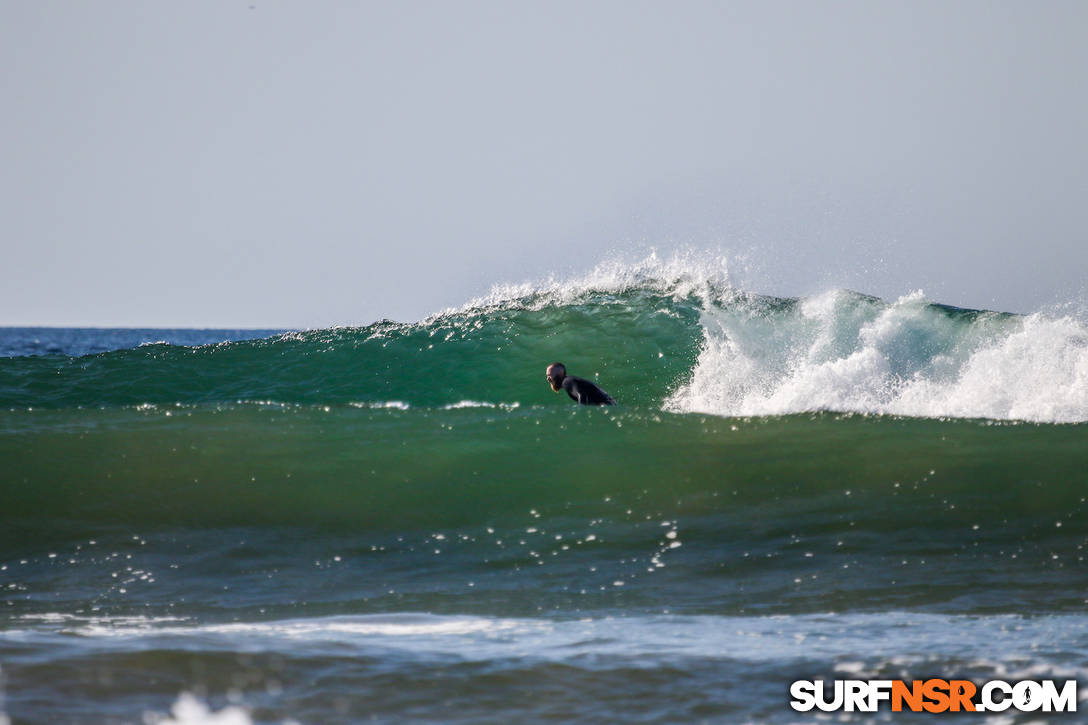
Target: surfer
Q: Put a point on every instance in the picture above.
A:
(579, 389)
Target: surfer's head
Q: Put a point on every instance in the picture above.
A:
(555, 374)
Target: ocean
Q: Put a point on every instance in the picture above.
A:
(400, 522)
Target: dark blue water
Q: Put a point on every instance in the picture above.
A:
(76, 341)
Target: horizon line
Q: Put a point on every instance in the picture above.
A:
(288, 328)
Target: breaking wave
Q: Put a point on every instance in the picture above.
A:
(660, 333)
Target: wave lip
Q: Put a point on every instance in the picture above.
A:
(847, 352)
(680, 276)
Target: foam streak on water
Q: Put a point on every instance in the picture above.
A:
(879, 638)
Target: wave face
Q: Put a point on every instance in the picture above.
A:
(657, 334)
(641, 340)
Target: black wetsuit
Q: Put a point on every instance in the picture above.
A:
(585, 392)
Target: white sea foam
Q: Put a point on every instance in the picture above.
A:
(703, 274)
(393, 627)
(382, 404)
(188, 710)
(845, 352)
(480, 404)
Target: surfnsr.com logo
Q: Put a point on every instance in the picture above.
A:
(934, 695)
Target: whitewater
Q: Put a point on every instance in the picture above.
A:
(846, 352)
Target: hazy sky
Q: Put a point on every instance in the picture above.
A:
(308, 163)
